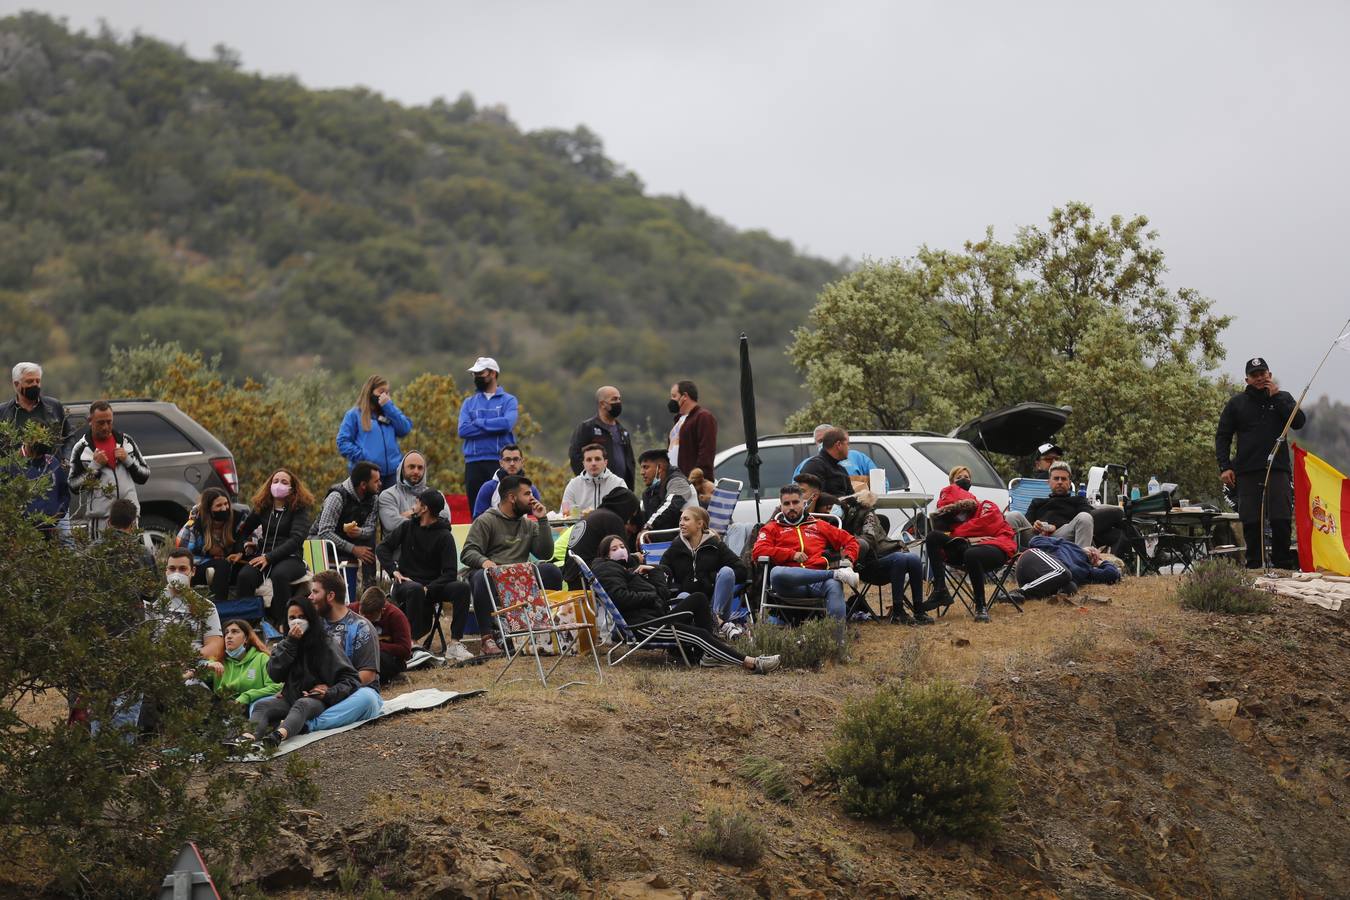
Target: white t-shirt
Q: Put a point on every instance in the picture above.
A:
(177, 611)
(674, 451)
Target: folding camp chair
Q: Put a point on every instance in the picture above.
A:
(999, 592)
(321, 556)
(722, 506)
(610, 626)
(793, 608)
(524, 614)
(1021, 491)
(654, 545)
(1151, 543)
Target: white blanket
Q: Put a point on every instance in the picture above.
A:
(426, 698)
(1327, 591)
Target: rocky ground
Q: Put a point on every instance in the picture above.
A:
(1159, 752)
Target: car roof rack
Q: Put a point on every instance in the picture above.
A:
(860, 431)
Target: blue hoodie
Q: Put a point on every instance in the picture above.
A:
(1075, 559)
(487, 424)
(378, 445)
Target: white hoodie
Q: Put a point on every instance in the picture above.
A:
(586, 491)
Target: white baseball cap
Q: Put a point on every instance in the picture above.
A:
(485, 362)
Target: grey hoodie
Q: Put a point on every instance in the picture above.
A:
(504, 540)
(398, 498)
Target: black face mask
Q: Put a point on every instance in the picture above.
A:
(480, 384)
(674, 407)
(220, 515)
(32, 393)
(39, 450)
(615, 409)
(375, 401)
(963, 483)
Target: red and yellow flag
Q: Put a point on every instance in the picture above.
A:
(1321, 498)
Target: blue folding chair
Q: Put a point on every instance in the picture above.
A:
(1021, 491)
(653, 551)
(654, 634)
(722, 506)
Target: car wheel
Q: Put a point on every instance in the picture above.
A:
(162, 532)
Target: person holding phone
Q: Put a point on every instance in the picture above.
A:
(313, 673)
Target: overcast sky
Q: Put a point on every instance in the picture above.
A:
(869, 128)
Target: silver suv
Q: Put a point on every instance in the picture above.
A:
(184, 460)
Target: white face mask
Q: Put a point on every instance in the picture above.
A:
(302, 624)
(619, 553)
(178, 581)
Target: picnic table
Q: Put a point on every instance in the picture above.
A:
(1186, 533)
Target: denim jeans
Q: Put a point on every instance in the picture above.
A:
(363, 704)
(724, 592)
(796, 582)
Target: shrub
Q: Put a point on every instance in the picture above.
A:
(804, 646)
(923, 757)
(1222, 586)
(770, 775)
(730, 835)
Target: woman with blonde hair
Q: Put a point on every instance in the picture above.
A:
(281, 516)
(371, 429)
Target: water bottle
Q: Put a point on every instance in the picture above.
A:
(1153, 485)
(1134, 492)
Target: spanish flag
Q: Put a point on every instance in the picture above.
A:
(1321, 498)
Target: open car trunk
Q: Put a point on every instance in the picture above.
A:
(1015, 430)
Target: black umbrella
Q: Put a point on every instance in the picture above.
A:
(748, 417)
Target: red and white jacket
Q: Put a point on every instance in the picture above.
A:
(780, 539)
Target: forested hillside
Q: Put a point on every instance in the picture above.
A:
(148, 195)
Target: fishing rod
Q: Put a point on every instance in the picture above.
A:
(1270, 459)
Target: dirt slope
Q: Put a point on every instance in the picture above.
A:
(1130, 783)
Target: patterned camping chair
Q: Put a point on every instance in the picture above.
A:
(654, 634)
(526, 620)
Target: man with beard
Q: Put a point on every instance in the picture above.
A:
(395, 503)
(359, 643)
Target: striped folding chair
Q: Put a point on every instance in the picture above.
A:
(722, 506)
(611, 628)
(654, 544)
(1021, 491)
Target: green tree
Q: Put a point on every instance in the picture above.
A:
(1074, 313)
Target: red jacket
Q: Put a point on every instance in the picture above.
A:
(698, 442)
(988, 522)
(395, 632)
(954, 493)
(779, 541)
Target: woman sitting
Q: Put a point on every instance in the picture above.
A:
(638, 598)
(209, 535)
(281, 515)
(242, 677)
(970, 533)
(699, 563)
(312, 670)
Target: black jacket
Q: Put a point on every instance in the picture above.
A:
(635, 596)
(1257, 419)
(283, 536)
(831, 472)
(424, 553)
(696, 571)
(49, 411)
(299, 665)
(593, 431)
(663, 500)
(1058, 511)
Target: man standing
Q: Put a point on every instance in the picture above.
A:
(667, 493)
(420, 554)
(828, 464)
(605, 429)
(395, 503)
(693, 437)
(511, 462)
(585, 492)
(357, 639)
(508, 533)
(348, 517)
(487, 422)
(1257, 417)
(30, 405)
(105, 466)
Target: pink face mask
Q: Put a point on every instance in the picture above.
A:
(280, 491)
(619, 553)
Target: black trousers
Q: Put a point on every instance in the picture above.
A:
(1279, 513)
(418, 602)
(391, 666)
(476, 474)
(703, 632)
(976, 559)
(221, 574)
(1107, 530)
(549, 574)
(281, 573)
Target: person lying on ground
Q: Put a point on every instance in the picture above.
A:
(1051, 565)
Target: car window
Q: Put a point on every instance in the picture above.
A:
(775, 470)
(154, 434)
(896, 479)
(947, 455)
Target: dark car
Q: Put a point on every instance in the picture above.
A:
(184, 460)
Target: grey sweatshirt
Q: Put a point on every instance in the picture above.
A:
(398, 498)
(504, 540)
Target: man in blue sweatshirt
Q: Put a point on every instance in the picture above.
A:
(487, 423)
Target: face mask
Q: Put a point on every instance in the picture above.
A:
(794, 518)
(619, 553)
(280, 491)
(963, 483)
(375, 401)
(177, 580)
(32, 393)
(220, 515)
(237, 652)
(674, 407)
(40, 449)
(302, 624)
(480, 384)
(615, 410)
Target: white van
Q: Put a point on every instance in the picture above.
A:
(915, 462)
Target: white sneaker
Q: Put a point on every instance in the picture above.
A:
(847, 576)
(766, 664)
(457, 652)
(731, 631)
